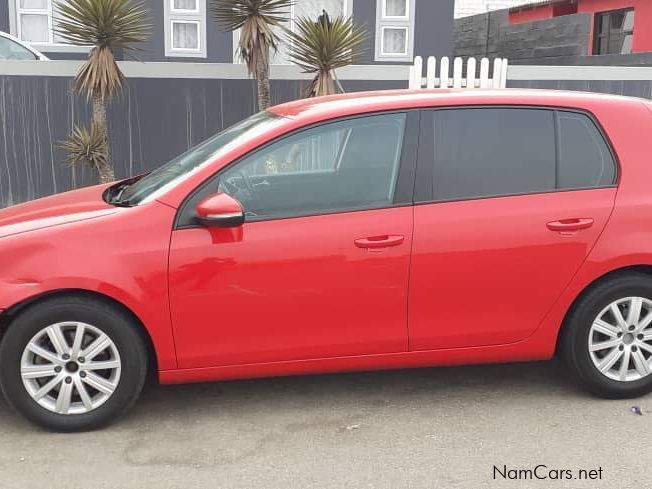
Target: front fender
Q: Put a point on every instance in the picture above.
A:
(122, 256)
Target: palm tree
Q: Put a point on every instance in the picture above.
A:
(106, 25)
(256, 19)
(323, 46)
(85, 146)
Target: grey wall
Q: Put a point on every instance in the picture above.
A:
(364, 13)
(151, 122)
(491, 35)
(219, 44)
(631, 88)
(433, 33)
(433, 29)
(4, 16)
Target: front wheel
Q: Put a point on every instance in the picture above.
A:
(72, 363)
(608, 338)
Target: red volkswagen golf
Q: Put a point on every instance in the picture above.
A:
(367, 231)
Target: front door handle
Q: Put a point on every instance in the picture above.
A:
(375, 242)
(566, 225)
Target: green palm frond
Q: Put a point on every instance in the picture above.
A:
(103, 23)
(255, 19)
(106, 25)
(324, 45)
(234, 14)
(85, 146)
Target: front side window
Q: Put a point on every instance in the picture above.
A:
(175, 171)
(494, 152)
(10, 49)
(614, 32)
(340, 166)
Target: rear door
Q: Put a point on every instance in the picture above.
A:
(510, 202)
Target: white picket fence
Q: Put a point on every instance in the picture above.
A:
(442, 78)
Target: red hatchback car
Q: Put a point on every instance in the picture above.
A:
(368, 231)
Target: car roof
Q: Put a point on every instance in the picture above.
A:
(365, 102)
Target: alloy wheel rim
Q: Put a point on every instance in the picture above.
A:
(620, 340)
(70, 368)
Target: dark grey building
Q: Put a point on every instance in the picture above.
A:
(183, 30)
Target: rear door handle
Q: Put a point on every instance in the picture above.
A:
(375, 242)
(565, 225)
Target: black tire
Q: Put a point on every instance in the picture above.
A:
(113, 322)
(575, 336)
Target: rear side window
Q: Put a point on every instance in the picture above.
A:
(491, 152)
(584, 157)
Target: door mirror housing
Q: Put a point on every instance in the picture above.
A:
(220, 210)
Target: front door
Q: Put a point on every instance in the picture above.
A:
(320, 267)
(512, 201)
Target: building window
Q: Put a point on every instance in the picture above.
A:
(34, 21)
(614, 32)
(185, 28)
(394, 30)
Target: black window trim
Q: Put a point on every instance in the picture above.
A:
(403, 190)
(597, 35)
(424, 192)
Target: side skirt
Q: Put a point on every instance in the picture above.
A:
(526, 350)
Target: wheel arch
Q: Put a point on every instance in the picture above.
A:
(630, 269)
(9, 314)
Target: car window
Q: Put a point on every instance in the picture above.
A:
(584, 157)
(492, 152)
(175, 171)
(339, 166)
(12, 50)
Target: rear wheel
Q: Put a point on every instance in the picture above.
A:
(608, 338)
(72, 364)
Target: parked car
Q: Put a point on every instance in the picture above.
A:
(13, 48)
(356, 232)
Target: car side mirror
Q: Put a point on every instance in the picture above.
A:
(220, 210)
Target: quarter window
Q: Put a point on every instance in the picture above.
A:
(341, 166)
(584, 157)
(492, 152)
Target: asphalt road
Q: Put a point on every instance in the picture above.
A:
(443, 428)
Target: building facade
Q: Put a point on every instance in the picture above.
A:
(617, 26)
(183, 30)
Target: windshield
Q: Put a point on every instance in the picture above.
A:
(134, 192)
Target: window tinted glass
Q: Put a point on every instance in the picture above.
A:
(182, 166)
(584, 157)
(340, 166)
(492, 152)
(12, 50)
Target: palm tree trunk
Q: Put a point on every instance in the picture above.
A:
(262, 84)
(105, 168)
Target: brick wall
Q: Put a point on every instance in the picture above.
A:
(491, 35)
